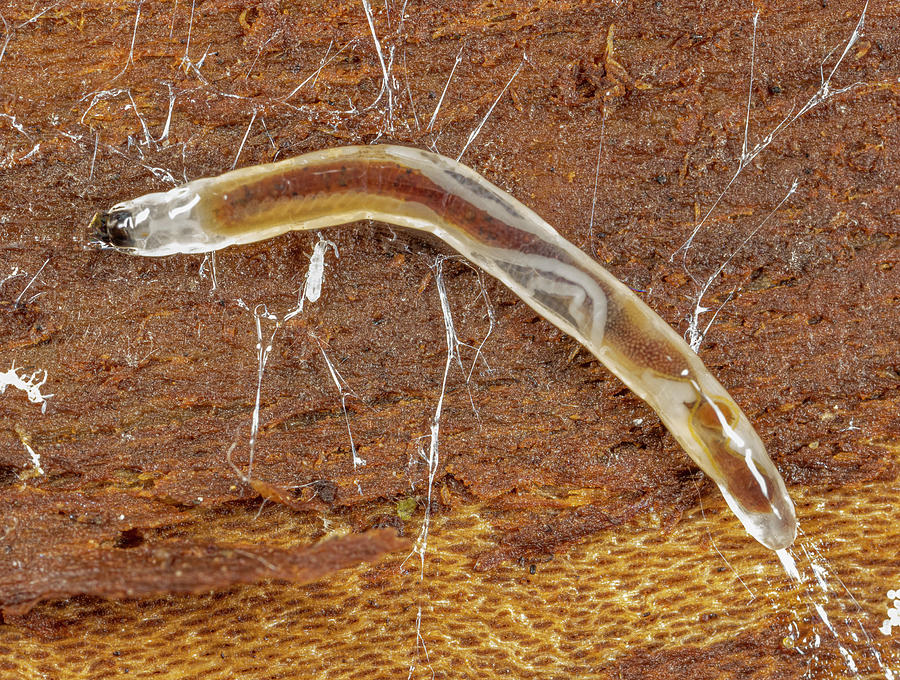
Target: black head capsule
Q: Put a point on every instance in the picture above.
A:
(114, 228)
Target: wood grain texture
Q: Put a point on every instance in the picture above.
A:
(570, 536)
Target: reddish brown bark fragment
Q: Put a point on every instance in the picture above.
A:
(164, 568)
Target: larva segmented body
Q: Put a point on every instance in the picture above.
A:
(424, 191)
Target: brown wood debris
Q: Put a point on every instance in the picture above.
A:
(569, 536)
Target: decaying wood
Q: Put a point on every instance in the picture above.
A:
(569, 536)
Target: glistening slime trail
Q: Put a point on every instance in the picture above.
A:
(412, 188)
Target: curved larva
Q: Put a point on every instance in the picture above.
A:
(420, 190)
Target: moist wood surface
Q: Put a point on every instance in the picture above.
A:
(569, 536)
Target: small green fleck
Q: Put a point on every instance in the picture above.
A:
(406, 507)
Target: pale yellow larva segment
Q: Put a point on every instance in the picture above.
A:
(299, 214)
(271, 211)
(322, 211)
(658, 366)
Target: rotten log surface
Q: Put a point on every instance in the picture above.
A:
(569, 536)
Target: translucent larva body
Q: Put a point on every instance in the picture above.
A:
(424, 191)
